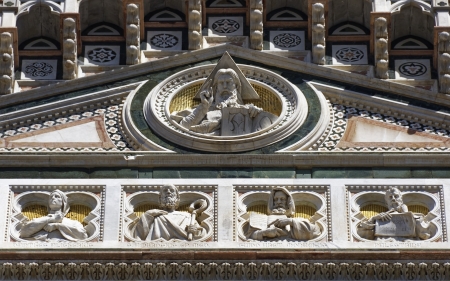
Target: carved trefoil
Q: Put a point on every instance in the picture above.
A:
(168, 213)
(7, 64)
(444, 62)
(318, 33)
(282, 213)
(195, 25)
(256, 24)
(56, 213)
(70, 66)
(381, 48)
(133, 34)
(396, 213)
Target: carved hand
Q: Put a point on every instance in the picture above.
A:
(192, 229)
(254, 110)
(382, 216)
(51, 227)
(156, 212)
(206, 97)
(56, 217)
(281, 223)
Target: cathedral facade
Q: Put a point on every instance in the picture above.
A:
(224, 139)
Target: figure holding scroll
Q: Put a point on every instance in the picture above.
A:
(279, 224)
(397, 223)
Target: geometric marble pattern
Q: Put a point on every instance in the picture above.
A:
(349, 54)
(102, 55)
(165, 40)
(39, 69)
(287, 40)
(111, 115)
(226, 26)
(343, 113)
(413, 69)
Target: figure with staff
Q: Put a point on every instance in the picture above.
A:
(167, 223)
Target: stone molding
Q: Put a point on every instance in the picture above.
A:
(225, 270)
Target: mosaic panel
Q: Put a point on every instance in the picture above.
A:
(102, 55)
(413, 69)
(111, 115)
(287, 40)
(343, 113)
(39, 69)
(165, 40)
(226, 26)
(349, 54)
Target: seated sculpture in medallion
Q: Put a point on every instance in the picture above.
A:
(55, 226)
(280, 224)
(167, 223)
(397, 223)
(222, 110)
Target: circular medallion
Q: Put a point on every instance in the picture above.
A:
(225, 26)
(287, 40)
(412, 69)
(164, 41)
(39, 69)
(102, 55)
(348, 54)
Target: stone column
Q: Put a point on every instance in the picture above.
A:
(6, 64)
(444, 62)
(381, 48)
(318, 33)
(256, 24)
(69, 49)
(195, 25)
(133, 34)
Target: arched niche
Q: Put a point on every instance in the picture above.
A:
(40, 43)
(102, 29)
(344, 11)
(152, 6)
(165, 15)
(411, 43)
(411, 19)
(293, 5)
(93, 12)
(39, 22)
(286, 14)
(348, 29)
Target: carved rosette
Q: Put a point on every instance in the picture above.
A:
(366, 201)
(293, 112)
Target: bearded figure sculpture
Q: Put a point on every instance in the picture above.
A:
(55, 226)
(280, 224)
(397, 223)
(222, 111)
(167, 223)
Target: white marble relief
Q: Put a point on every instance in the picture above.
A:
(396, 223)
(349, 54)
(225, 26)
(165, 40)
(102, 55)
(56, 226)
(165, 221)
(279, 222)
(39, 69)
(287, 40)
(413, 69)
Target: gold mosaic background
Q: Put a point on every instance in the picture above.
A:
(77, 212)
(373, 209)
(185, 100)
(301, 211)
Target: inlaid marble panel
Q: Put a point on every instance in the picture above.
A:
(39, 69)
(165, 40)
(412, 69)
(287, 40)
(225, 26)
(102, 55)
(349, 54)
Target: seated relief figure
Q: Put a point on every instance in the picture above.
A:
(397, 223)
(54, 226)
(279, 224)
(222, 111)
(167, 223)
